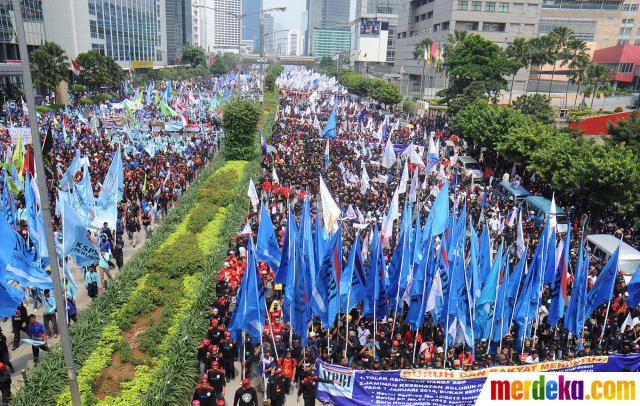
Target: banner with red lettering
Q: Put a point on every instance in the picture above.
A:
(441, 386)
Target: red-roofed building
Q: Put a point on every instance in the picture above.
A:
(623, 62)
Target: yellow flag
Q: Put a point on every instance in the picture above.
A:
(18, 158)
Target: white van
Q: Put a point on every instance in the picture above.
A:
(470, 167)
(603, 245)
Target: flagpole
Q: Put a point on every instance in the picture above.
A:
(606, 317)
(65, 339)
(493, 318)
(273, 339)
(466, 282)
(346, 339)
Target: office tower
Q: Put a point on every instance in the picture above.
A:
(179, 28)
(373, 36)
(326, 14)
(251, 22)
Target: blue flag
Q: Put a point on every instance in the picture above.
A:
(329, 130)
(485, 305)
(10, 298)
(574, 316)
(111, 193)
(550, 267)
(353, 279)
(559, 286)
(527, 304)
(328, 278)
(439, 214)
(8, 208)
(361, 116)
(484, 260)
(167, 92)
(375, 302)
(149, 95)
(634, 289)
(66, 182)
(602, 289)
(76, 243)
(268, 249)
(17, 263)
(288, 251)
(250, 311)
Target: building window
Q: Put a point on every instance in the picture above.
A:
(503, 7)
(436, 27)
(490, 6)
(493, 27)
(93, 27)
(98, 47)
(445, 26)
(429, 15)
(92, 7)
(467, 25)
(463, 4)
(476, 6)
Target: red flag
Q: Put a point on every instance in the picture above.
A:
(28, 164)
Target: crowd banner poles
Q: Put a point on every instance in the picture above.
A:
(346, 332)
(45, 206)
(606, 316)
(244, 355)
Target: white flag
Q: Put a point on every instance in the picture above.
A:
(364, 181)
(552, 212)
(435, 292)
(253, 195)
(389, 156)
(392, 215)
(330, 210)
(415, 158)
(520, 238)
(274, 175)
(350, 214)
(414, 187)
(246, 230)
(405, 178)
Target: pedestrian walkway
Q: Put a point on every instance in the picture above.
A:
(21, 357)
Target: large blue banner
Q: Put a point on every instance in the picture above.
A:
(439, 386)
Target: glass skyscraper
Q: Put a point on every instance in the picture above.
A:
(251, 23)
(130, 29)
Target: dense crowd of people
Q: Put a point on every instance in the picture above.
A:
(293, 162)
(162, 149)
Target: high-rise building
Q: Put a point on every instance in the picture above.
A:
(325, 14)
(32, 15)
(602, 24)
(251, 21)
(179, 28)
(294, 43)
(226, 25)
(132, 33)
(373, 34)
(330, 42)
(269, 29)
(498, 21)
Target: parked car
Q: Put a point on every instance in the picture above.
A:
(470, 167)
(603, 245)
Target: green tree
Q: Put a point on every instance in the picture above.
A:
(626, 132)
(273, 71)
(560, 37)
(383, 91)
(421, 47)
(536, 105)
(519, 52)
(224, 63)
(98, 70)
(193, 55)
(326, 62)
(487, 125)
(454, 39)
(476, 67)
(521, 142)
(49, 65)
(240, 120)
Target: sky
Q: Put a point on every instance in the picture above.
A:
(292, 17)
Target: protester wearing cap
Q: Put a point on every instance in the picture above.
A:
(245, 395)
(229, 353)
(204, 393)
(216, 378)
(276, 389)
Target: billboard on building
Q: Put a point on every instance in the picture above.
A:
(369, 27)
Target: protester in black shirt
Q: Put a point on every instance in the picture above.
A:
(246, 395)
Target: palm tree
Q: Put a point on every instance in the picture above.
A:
(455, 38)
(597, 76)
(560, 37)
(520, 53)
(576, 56)
(578, 73)
(541, 54)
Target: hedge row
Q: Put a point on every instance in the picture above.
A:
(177, 372)
(45, 381)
